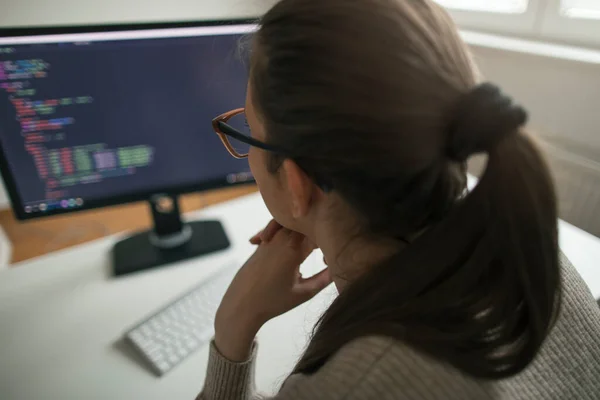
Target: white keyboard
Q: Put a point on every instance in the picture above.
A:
(171, 334)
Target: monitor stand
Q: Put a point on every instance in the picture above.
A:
(169, 241)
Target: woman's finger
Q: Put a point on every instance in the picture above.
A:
(313, 285)
(266, 234)
(270, 230)
(256, 238)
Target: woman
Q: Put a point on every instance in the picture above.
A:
(363, 113)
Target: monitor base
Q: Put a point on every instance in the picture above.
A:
(139, 252)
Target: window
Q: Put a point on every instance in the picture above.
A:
(586, 9)
(568, 21)
(498, 6)
(507, 16)
(576, 21)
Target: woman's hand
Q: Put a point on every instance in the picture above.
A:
(268, 285)
(266, 234)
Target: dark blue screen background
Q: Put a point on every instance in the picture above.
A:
(157, 92)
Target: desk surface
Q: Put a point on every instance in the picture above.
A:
(62, 317)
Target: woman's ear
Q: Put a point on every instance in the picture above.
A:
(299, 187)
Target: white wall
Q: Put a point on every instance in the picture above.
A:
(562, 96)
(67, 12)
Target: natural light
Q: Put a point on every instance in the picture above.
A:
(498, 6)
(589, 9)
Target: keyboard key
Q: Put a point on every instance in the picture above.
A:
(191, 344)
(163, 366)
(173, 359)
(181, 351)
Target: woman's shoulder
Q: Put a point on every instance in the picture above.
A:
(377, 366)
(368, 350)
(346, 369)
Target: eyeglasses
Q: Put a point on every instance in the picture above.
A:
(233, 130)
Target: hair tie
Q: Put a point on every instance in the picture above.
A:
(481, 119)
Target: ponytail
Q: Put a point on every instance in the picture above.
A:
(480, 288)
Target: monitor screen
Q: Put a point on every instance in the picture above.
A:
(99, 118)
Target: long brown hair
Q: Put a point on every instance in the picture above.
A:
(379, 98)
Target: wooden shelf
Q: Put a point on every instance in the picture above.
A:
(39, 237)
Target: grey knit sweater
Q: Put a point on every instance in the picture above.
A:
(568, 367)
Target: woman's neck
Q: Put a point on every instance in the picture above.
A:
(349, 255)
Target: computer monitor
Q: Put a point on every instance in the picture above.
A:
(97, 116)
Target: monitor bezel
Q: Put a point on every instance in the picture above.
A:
(6, 173)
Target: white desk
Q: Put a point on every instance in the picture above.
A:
(62, 317)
